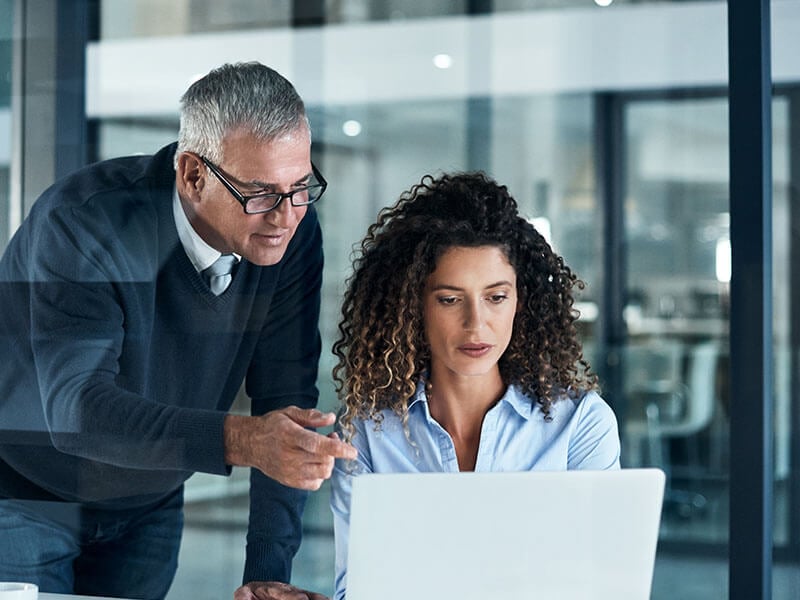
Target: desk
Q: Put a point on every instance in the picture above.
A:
(47, 596)
(682, 327)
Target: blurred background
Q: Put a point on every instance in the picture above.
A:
(608, 121)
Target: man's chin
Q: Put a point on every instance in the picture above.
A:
(266, 257)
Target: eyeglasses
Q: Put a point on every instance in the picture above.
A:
(261, 203)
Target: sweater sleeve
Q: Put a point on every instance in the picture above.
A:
(284, 372)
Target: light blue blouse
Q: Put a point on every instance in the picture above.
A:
(514, 437)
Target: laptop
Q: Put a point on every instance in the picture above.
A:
(569, 535)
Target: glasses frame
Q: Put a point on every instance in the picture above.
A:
(243, 200)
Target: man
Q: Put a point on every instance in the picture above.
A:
(123, 344)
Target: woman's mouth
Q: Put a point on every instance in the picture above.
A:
(475, 350)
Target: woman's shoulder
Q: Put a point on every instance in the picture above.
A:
(585, 402)
(591, 406)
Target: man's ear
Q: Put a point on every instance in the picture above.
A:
(190, 175)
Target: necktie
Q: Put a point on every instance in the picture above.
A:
(218, 275)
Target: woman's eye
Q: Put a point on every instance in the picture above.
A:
(447, 300)
(497, 298)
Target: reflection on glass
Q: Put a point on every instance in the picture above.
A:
(146, 18)
(782, 308)
(676, 227)
(6, 22)
(679, 269)
(541, 145)
(542, 148)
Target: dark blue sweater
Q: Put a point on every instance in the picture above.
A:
(117, 364)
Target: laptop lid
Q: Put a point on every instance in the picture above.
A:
(569, 535)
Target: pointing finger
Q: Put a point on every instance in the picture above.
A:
(326, 445)
(310, 417)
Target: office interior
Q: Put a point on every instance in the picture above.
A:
(608, 120)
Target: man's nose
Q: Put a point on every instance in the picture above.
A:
(285, 214)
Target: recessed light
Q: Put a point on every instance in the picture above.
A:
(443, 61)
(351, 128)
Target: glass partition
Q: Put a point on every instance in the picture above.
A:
(512, 92)
(6, 24)
(537, 134)
(144, 18)
(676, 314)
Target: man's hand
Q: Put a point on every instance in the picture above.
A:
(280, 446)
(272, 590)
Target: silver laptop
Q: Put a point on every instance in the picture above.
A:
(571, 535)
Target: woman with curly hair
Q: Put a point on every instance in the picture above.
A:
(458, 349)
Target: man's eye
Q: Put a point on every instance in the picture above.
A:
(257, 191)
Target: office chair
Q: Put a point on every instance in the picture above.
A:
(695, 417)
(700, 411)
(653, 384)
(674, 407)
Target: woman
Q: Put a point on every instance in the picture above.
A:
(458, 349)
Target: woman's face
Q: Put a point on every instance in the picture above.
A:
(469, 307)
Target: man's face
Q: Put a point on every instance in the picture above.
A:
(278, 166)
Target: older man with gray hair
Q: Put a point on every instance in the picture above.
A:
(135, 299)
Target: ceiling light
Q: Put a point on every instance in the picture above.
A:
(443, 61)
(351, 128)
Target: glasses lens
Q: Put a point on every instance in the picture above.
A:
(257, 204)
(308, 196)
(268, 202)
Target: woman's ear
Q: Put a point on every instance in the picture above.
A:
(190, 176)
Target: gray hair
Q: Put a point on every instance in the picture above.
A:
(245, 95)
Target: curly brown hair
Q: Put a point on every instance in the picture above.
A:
(382, 352)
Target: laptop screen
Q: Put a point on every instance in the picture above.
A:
(569, 535)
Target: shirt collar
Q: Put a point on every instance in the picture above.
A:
(519, 402)
(199, 252)
(419, 394)
(513, 397)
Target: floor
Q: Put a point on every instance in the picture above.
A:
(213, 549)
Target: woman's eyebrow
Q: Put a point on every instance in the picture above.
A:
(455, 288)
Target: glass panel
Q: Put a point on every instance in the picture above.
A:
(785, 170)
(786, 300)
(121, 137)
(540, 143)
(511, 5)
(6, 23)
(144, 18)
(385, 148)
(341, 11)
(542, 150)
(674, 366)
(678, 271)
(371, 145)
(782, 314)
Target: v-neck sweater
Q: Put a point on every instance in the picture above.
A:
(119, 364)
